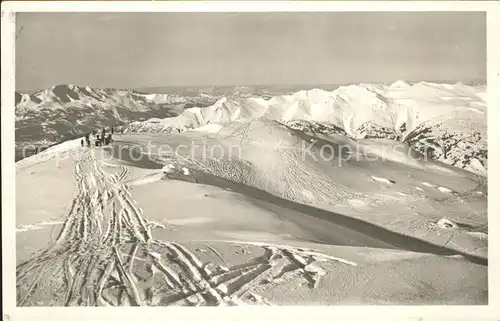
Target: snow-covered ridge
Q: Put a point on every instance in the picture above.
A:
(399, 107)
(398, 111)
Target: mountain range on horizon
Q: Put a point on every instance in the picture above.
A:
(424, 115)
(227, 88)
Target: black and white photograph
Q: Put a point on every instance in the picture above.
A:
(194, 159)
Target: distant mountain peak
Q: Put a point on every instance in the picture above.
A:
(400, 84)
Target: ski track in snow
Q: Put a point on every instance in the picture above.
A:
(105, 248)
(382, 180)
(37, 226)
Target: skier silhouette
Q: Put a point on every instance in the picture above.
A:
(87, 139)
(108, 139)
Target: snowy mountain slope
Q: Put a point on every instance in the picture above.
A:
(245, 238)
(460, 141)
(400, 111)
(270, 157)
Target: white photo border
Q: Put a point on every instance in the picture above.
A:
(11, 312)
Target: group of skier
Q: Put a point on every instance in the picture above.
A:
(100, 138)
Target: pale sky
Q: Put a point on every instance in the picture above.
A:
(132, 50)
